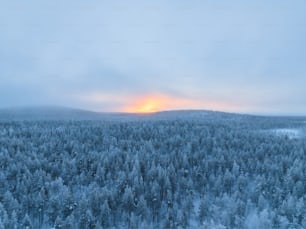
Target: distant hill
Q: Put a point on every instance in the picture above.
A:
(64, 113)
(47, 113)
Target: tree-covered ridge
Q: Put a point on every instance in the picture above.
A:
(174, 173)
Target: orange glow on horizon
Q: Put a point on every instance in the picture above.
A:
(160, 102)
(148, 105)
(151, 104)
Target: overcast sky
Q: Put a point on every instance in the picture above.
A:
(244, 56)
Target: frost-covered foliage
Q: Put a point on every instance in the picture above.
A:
(175, 173)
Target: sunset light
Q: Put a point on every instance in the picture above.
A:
(159, 102)
(156, 103)
(147, 105)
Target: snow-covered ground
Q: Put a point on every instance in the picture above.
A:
(196, 208)
(290, 133)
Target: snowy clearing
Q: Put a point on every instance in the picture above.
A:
(290, 133)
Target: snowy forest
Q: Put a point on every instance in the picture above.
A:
(202, 170)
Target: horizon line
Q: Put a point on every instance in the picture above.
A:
(254, 113)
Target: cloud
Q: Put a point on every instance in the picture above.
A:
(244, 53)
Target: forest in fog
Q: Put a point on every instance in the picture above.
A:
(209, 171)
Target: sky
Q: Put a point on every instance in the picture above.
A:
(134, 56)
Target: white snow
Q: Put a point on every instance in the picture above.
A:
(290, 133)
(196, 207)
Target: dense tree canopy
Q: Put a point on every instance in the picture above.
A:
(218, 172)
